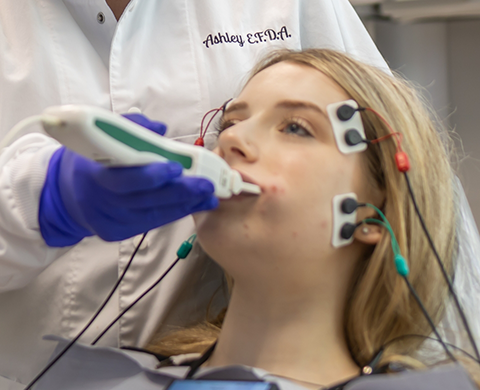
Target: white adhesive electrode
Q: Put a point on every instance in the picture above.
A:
(113, 140)
(341, 127)
(341, 218)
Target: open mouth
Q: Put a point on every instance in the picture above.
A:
(246, 178)
(251, 187)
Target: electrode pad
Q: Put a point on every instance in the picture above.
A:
(341, 126)
(340, 219)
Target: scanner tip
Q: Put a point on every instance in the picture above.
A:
(251, 188)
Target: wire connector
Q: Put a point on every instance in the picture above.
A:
(401, 265)
(402, 161)
(199, 142)
(186, 247)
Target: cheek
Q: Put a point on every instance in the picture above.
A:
(293, 204)
(275, 190)
(292, 216)
(300, 200)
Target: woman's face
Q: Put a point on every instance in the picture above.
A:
(277, 135)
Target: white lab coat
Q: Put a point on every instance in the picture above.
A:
(172, 59)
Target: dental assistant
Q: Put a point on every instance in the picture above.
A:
(173, 61)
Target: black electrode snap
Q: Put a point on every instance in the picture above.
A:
(346, 112)
(349, 205)
(347, 231)
(353, 137)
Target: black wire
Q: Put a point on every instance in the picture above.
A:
(99, 310)
(429, 319)
(442, 267)
(196, 364)
(394, 340)
(135, 302)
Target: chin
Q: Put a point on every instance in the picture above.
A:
(213, 226)
(244, 227)
(232, 217)
(226, 235)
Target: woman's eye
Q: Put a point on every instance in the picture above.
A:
(225, 124)
(297, 129)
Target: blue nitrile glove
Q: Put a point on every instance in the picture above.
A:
(81, 198)
(142, 120)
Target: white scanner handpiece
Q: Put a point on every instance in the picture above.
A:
(112, 140)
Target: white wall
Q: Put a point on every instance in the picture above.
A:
(464, 66)
(444, 57)
(419, 51)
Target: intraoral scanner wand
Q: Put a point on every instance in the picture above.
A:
(112, 140)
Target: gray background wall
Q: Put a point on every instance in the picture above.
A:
(443, 57)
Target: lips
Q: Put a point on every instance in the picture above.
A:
(247, 179)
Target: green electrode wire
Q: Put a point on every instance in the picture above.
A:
(400, 262)
(403, 270)
(182, 253)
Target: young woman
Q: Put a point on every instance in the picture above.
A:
(300, 308)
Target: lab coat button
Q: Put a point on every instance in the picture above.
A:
(100, 18)
(136, 241)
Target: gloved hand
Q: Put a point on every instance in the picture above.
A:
(81, 198)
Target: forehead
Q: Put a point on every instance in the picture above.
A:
(292, 81)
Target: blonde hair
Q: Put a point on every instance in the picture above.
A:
(380, 307)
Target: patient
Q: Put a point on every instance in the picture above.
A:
(301, 309)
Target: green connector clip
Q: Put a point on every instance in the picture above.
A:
(401, 265)
(186, 247)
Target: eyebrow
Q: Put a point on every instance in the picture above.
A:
(289, 104)
(295, 104)
(235, 107)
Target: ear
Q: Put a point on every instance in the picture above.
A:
(369, 234)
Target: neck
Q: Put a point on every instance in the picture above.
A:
(293, 336)
(117, 7)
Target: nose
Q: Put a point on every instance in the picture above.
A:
(235, 144)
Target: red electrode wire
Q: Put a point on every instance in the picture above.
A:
(378, 140)
(401, 158)
(203, 130)
(392, 132)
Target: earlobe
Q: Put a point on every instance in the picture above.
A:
(369, 234)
